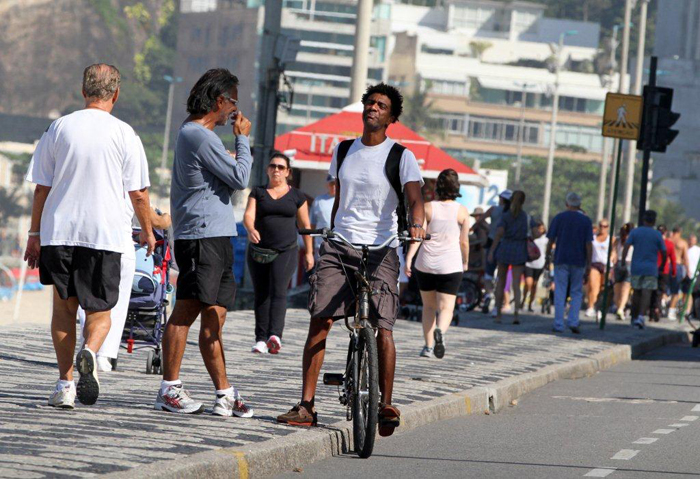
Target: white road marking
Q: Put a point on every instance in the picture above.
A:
(625, 454)
(689, 418)
(600, 472)
(664, 431)
(696, 408)
(646, 440)
(680, 424)
(626, 401)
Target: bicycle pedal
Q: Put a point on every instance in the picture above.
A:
(333, 379)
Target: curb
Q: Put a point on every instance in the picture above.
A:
(284, 454)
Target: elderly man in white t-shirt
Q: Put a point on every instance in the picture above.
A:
(84, 166)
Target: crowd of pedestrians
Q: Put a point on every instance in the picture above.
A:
(91, 176)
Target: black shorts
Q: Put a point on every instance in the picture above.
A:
(89, 274)
(442, 283)
(206, 271)
(533, 273)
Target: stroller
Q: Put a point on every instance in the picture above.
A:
(147, 315)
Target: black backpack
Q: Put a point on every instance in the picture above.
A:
(392, 170)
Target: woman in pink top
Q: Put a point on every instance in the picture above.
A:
(441, 261)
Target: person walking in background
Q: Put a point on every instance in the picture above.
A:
(534, 269)
(205, 175)
(322, 209)
(494, 213)
(441, 261)
(693, 258)
(682, 267)
(647, 243)
(510, 249)
(84, 167)
(571, 231)
(599, 259)
(271, 219)
(667, 270)
(621, 276)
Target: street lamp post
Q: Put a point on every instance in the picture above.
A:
(168, 118)
(521, 128)
(553, 127)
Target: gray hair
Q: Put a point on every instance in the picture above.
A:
(101, 81)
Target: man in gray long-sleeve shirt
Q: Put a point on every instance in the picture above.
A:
(205, 175)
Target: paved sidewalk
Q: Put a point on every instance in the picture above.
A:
(122, 431)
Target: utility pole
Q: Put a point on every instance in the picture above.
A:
(360, 59)
(521, 128)
(632, 145)
(553, 129)
(269, 76)
(623, 74)
(605, 159)
(166, 134)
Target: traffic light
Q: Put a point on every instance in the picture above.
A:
(655, 133)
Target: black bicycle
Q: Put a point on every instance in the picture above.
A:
(358, 387)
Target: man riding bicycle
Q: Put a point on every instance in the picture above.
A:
(364, 212)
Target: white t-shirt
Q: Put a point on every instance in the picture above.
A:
(367, 208)
(541, 243)
(91, 160)
(693, 257)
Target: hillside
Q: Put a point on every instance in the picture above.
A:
(46, 44)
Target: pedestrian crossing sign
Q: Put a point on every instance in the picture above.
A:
(623, 116)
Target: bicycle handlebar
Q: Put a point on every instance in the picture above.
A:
(326, 233)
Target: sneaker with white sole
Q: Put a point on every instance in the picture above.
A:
(590, 313)
(672, 314)
(63, 398)
(427, 352)
(231, 405)
(274, 344)
(177, 399)
(104, 365)
(259, 348)
(88, 385)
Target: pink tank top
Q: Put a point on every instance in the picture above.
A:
(441, 254)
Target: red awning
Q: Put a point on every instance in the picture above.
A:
(313, 145)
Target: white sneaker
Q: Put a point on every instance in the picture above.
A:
(274, 344)
(88, 385)
(427, 352)
(176, 399)
(104, 365)
(63, 398)
(672, 314)
(590, 313)
(260, 348)
(231, 405)
(494, 312)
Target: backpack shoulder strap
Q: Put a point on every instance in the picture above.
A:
(343, 148)
(392, 168)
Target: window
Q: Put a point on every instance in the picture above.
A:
(473, 17)
(446, 87)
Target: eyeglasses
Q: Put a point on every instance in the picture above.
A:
(273, 166)
(382, 106)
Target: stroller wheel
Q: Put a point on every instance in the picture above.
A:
(149, 361)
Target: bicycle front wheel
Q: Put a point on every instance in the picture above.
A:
(365, 403)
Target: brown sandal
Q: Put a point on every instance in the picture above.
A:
(389, 419)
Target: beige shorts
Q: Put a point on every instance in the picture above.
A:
(331, 294)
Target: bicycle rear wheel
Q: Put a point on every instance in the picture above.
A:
(365, 403)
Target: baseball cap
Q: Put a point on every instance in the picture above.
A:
(573, 199)
(506, 194)
(330, 178)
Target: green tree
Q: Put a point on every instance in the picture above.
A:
(418, 110)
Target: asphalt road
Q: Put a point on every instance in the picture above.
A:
(636, 420)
